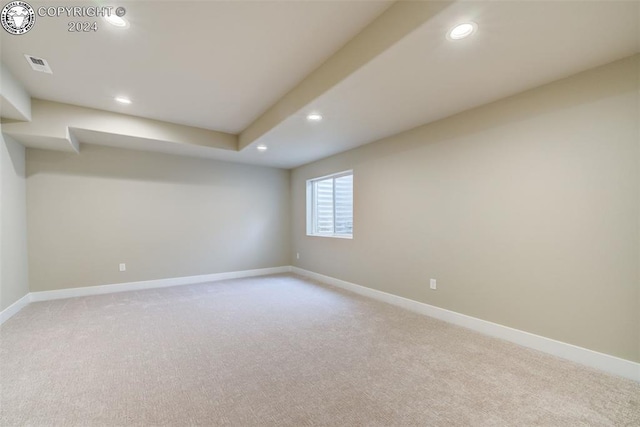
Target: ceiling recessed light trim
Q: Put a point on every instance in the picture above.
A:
(262, 148)
(462, 31)
(314, 117)
(123, 100)
(117, 21)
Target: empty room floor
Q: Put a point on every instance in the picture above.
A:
(283, 351)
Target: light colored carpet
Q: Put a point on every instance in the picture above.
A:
(282, 351)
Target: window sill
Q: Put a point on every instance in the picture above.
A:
(334, 236)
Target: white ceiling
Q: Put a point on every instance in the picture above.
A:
(224, 64)
(425, 77)
(210, 64)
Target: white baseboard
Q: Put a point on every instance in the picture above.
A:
(133, 286)
(150, 284)
(14, 308)
(604, 362)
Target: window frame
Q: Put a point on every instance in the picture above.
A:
(312, 207)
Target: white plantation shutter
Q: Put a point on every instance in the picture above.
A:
(324, 206)
(343, 196)
(331, 205)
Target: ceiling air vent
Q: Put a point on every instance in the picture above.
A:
(39, 64)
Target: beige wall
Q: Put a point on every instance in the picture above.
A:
(14, 282)
(526, 211)
(164, 216)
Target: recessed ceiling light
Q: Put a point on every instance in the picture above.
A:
(461, 31)
(261, 148)
(123, 99)
(314, 117)
(116, 21)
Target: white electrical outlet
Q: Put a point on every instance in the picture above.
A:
(123, 267)
(432, 284)
(297, 255)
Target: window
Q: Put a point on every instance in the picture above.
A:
(330, 205)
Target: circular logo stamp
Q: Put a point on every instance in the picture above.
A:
(18, 17)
